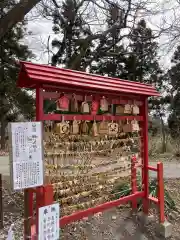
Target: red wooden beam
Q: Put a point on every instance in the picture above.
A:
(105, 206)
(38, 74)
(145, 152)
(79, 117)
(101, 92)
(160, 192)
(134, 181)
(152, 168)
(120, 100)
(153, 199)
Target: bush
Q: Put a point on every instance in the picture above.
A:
(122, 190)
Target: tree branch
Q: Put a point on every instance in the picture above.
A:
(15, 15)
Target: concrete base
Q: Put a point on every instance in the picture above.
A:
(164, 229)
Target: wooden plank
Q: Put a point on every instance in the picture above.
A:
(79, 117)
(120, 100)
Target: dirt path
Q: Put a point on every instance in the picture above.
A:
(4, 165)
(114, 224)
(171, 169)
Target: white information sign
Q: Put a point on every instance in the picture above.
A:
(10, 233)
(49, 222)
(26, 155)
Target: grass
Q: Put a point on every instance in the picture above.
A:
(122, 190)
(155, 146)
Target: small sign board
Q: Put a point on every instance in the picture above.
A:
(26, 155)
(49, 222)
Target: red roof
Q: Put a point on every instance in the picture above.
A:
(36, 74)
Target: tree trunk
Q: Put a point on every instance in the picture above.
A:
(3, 134)
(15, 15)
(163, 135)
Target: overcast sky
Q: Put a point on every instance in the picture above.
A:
(41, 29)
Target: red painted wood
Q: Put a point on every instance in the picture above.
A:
(152, 168)
(50, 70)
(160, 192)
(85, 213)
(145, 157)
(153, 199)
(125, 101)
(38, 74)
(78, 84)
(91, 84)
(48, 195)
(71, 117)
(91, 211)
(39, 104)
(118, 92)
(122, 100)
(39, 115)
(99, 93)
(134, 181)
(44, 197)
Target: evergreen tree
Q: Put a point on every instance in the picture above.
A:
(110, 53)
(142, 63)
(174, 75)
(13, 101)
(174, 72)
(79, 44)
(70, 28)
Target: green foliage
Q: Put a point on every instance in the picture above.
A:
(173, 75)
(78, 47)
(13, 101)
(110, 53)
(124, 189)
(142, 62)
(71, 32)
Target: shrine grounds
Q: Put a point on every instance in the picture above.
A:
(108, 225)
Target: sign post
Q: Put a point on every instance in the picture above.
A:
(26, 163)
(49, 222)
(26, 155)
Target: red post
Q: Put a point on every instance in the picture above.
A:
(133, 181)
(44, 197)
(39, 117)
(145, 173)
(39, 104)
(160, 192)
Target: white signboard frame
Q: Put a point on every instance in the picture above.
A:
(26, 156)
(48, 223)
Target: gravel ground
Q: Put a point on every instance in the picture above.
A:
(13, 211)
(115, 224)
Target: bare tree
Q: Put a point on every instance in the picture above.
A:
(166, 20)
(94, 14)
(169, 25)
(15, 15)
